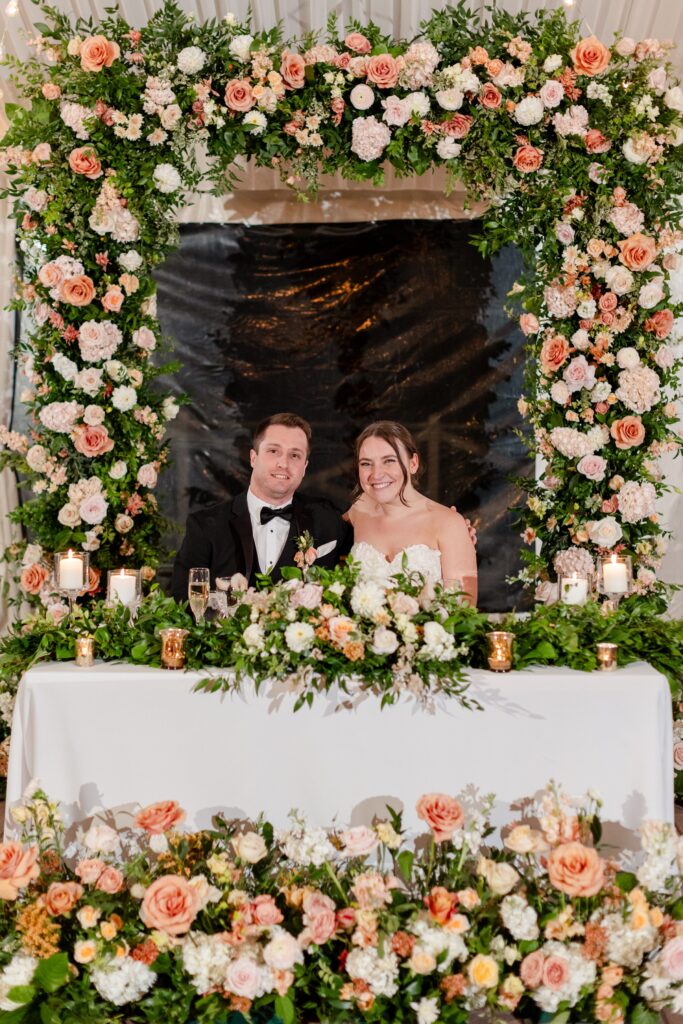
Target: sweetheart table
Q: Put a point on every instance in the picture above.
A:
(115, 735)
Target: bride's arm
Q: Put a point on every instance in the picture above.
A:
(458, 557)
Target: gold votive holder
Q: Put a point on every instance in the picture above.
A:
(607, 656)
(85, 651)
(173, 647)
(500, 650)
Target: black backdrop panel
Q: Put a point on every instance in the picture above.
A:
(345, 324)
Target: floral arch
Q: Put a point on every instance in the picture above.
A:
(574, 144)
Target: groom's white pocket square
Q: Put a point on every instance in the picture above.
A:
(325, 549)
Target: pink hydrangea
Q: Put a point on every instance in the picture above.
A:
(637, 501)
(369, 138)
(573, 559)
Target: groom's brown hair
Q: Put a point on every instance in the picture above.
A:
(394, 434)
(282, 419)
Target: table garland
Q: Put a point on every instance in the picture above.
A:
(576, 145)
(151, 924)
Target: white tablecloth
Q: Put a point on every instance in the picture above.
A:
(115, 735)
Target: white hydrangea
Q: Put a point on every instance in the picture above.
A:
(637, 501)
(124, 398)
(367, 598)
(166, 178)
(64, 366)
(191, 60)
(519, 918)
(380, 972)
(19, 971)
(123, 980)
(626, 946)
(205, 958)
(574, 444)
(304, 844)
(437, 941)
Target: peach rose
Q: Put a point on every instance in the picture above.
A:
(457, 126)
(111, 881)
(494, 67)
(576, 869)
(490, 97)
(320, 918)
(160, 817)
(33, 577)
(238, 95)
(442, 813)
(340, 627)
(62, 897)
(169, 905)
(293, 70)
(266, 912)
(357, 42)
(98, 52)
(17, 868)
(531, 969)
(555, 972)
(50, 275)
(440, 903)
(527, 159)
(78, 291)
(382, 70)
(660, 323)
(638, 251)
(553, 353)
(90, 870)
(51, 91)
(628, 432)
(590, 57)
(529, 324)
(91, 441)
(596, 142)
(608, 302)
(84, 161)
(112, 300)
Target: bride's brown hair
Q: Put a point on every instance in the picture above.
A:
(395, 435)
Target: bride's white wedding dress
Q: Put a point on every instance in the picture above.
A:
(376, 566)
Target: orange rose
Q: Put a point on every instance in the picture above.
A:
(494, 67)
(79, 290)
(84, 161)
(159, 818)
(576, 869)
(527, 159)
(382, 70)
(590, 57)
(170, 905)
(660, 323)
(293, 70)
(238, 95)
(97, 52)
(62, 897)
(17, 868)
(110, 881)
(638, 251)
(628, 432)
(33, 577)
(440, 903)
(553, 353)
(442, 813)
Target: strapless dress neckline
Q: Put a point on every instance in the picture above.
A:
(374, 564)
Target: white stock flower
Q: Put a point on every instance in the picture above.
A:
(519, 918)
(166, 178)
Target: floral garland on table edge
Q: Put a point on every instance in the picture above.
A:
(350, 925)
(575, 144)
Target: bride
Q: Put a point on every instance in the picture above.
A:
(391, 519)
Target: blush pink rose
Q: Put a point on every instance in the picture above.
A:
(33, 577)
(531, 969)
(592, 466)
(62, 897)
(554, 352)
(293, 70)
(576, 869)
(527, 159)
(50, 275)
(638, 251)
(170, 905)
(90, 870)
(608, 302)
(238, 95)
(671, 959)
(359, 841)
(78, 290)
(84, 160)
(357, 42)
(309, 596)
(529, 324)
(678, 756)
(265, 911)
(112, 300)
(243, 977)
(320, 919)
(555, 972)
(111, 881)
(18, 867)
(91, 441)
(160, 817)
(98, 52)
(660, 323)
(596, 142)
(457, 126)
(628, 432)
(490, 97)
(382, 70)
(442, 813)
(51, 91)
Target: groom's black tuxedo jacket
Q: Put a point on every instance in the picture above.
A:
(221, 538)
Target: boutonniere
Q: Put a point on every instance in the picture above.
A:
(306, 553)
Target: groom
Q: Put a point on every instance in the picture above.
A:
(258, 530)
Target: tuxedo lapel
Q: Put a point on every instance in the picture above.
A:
(242, 525)
(302, 520)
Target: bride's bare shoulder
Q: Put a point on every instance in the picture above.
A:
(446, 519)
(361, 509)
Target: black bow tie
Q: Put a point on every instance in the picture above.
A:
(268, 513)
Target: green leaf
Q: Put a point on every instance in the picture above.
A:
(405, 862)
(52, 973)
(48, 1015)
(626, 881)
(22, 994)
(284, 1008)
(642, 1015)
(15, 1016)
(677, 910)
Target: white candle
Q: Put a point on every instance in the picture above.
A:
(71, 572)
(614, 577)
(123, 587)
(574, 590)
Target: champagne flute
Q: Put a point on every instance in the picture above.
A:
(198, 592)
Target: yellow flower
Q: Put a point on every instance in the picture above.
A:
(483, 971)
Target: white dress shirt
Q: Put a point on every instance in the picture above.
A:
(270, 537)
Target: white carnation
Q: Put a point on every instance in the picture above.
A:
(191, 60)
(166, 178)
(124, 398)
(529, 111)
(628, 358)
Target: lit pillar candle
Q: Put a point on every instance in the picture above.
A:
(574, 590)
(71, 572)
(123, 587)
(614, 577)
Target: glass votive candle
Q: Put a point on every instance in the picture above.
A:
(124, 585)
(71, 571)
(85, 651)
(615, 575)
(574, 588)
(607, 656)
(500, 650)
(173, 647)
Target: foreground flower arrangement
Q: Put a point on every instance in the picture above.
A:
(354, 924)
(575, 144)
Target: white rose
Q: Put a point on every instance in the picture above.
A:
(93, 509)
(362, 97)
(449, 99)
(664, 357)
(384, 641)
(283, 951)
(673, 98)
(299, 636)
(244, 977)
(253, 637)
(124, 398)
(250, 847)
(68, 515)
(169, 408)
(191, 60)
(604, 533)
(633, 153)
(240, 47)
(619, 280)
(650, 295)
(101, 839)
(118, 470)
(628, 358)
(501, 877)
(529, 111)
(123, 523)
(448, 148)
